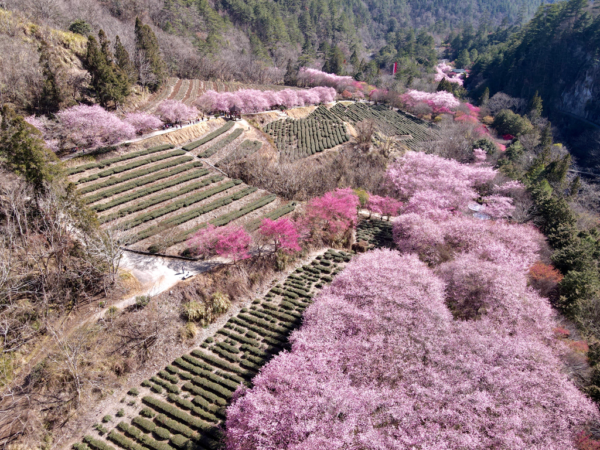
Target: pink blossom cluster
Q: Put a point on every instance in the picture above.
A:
(386, 206)
(335, 212)
(431, 185)
(280, 234)
(314, 77)
(480, 155)
(234, 242)
(93, 126)
(441, 102)
(230, 241)
(252, 100)
(443, 70)
(396, 354)
(143, 122)
(173, 111)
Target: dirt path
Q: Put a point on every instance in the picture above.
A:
(156, 274)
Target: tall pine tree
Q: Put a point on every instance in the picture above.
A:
(124, 62)
(109, 82)
(51, 96)
(149, 64)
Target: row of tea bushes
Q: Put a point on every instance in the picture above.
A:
(222, 143)
(224, 219)
(154, 188)
(107, 162)
(190, 215)
(131, 165)
(209, 137)
(180, 203)
(140, 173)
(187, 404)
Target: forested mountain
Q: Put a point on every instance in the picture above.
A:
(209, 38)
(556, 54)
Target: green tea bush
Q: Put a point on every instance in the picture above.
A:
(140, 173)
(147, 412)
(174, 426)
(144, 424)
(109, 161)
(162, 433)
(221, 144)
(209, 137)
(97, 445)
(165, 384)
(217, 362)
(123, 442)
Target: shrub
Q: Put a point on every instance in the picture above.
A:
(508, 122)
(106, 419)
(120, 413)
(133, 392)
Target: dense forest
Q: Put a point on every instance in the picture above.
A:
(556, 55)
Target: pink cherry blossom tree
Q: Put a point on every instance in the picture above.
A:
(93, 126)
(386, 206)
(230, 241)
(173, 111)
(443, 70)
(252, 100)
(280, 234)
(314, 77)
(143, 122)
(334, 213)
(441, 101)
(381, 363)
(452, 184)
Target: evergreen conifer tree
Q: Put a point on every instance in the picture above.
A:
(149, 63)
(536, 106)
(485, 97)
(123, 61)
(24, 152)
(291, 75)
(51, 96)
(110, 84)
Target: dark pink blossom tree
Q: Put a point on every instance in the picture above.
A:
(143, 123)
(230, 241)
(173, 111)
(334, 213)
(280, 234)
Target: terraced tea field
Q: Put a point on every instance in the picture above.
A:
(184, 405)
(324, 128)
(160, 196)
(388, 122)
